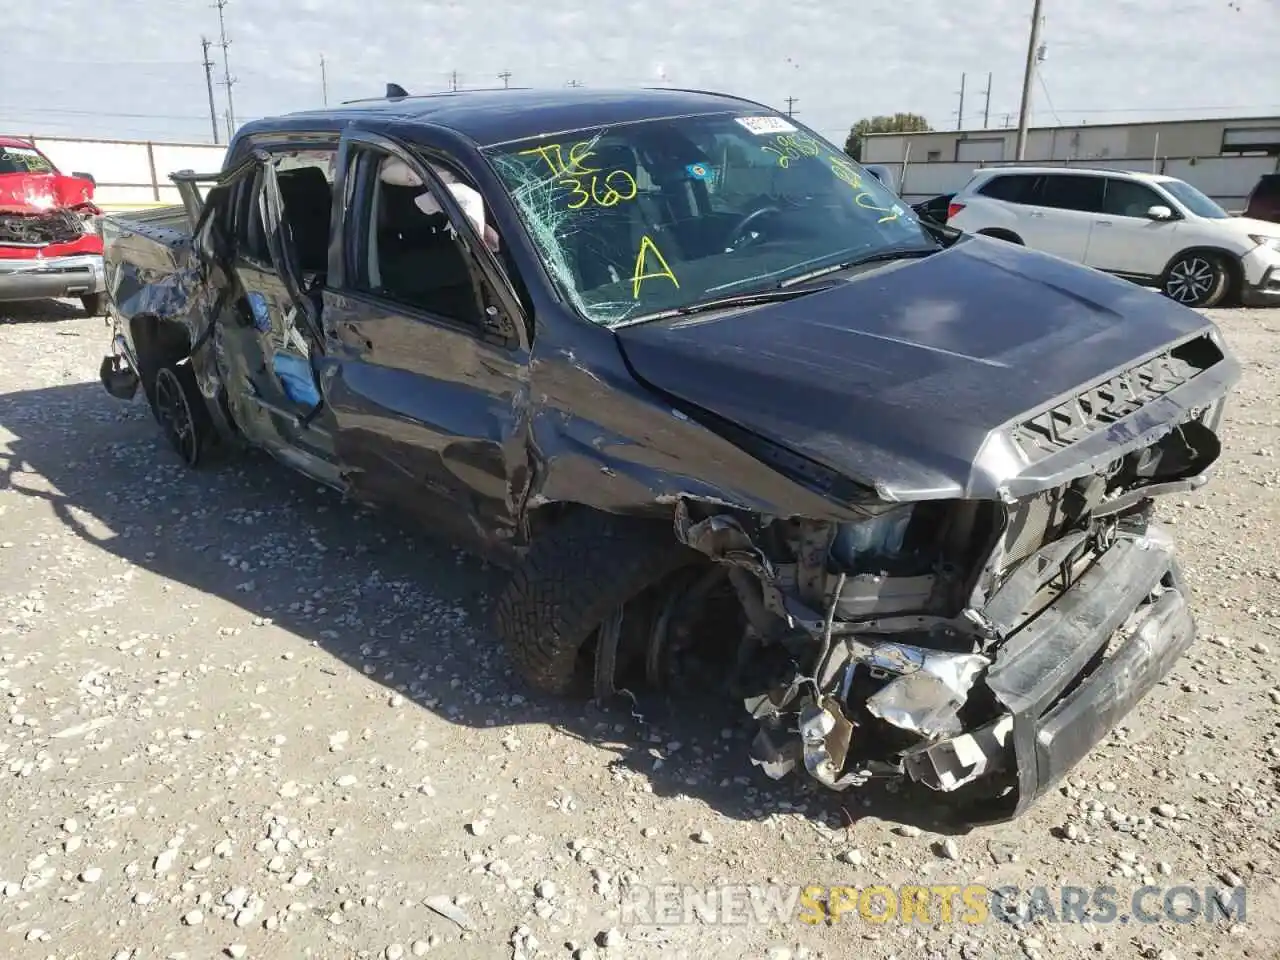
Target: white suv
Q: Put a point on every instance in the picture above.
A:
(1154, 230)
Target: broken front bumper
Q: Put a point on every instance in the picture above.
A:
(1072, 674)
(1055, 685)
(35, 279)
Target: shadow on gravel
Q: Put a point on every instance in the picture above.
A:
(383, 602)
(39, 311)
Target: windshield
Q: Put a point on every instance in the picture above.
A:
(640, 218)
(1194, 200)
(23, 160)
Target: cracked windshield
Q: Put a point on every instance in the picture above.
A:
(643, 218)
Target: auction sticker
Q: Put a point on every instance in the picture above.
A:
(765, 125)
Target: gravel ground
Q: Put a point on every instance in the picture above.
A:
(245, 718)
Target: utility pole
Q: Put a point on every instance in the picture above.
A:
(960, 112)
(208, 82)
(324, 81)
(574, 83)
(453, 81)
(1024, 111)
(228, 80)
(986, 110)
(505, 77)
(791, 102)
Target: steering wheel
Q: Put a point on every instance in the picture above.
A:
(739, 232)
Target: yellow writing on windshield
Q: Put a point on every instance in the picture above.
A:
(553, 155)
(643, 270)
(618, 186)
(865, 200)
(846, 172)
(792, 146)
(586, 184)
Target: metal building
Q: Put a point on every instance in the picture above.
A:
(1224, 158)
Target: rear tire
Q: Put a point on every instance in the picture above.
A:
(1196, 280)
(180, 410)
(95, 304)
(575, 577)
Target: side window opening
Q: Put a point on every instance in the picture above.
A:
(306, 188)
(1012, 188)
(1125, 198)
(1078, 192)
(413, 255)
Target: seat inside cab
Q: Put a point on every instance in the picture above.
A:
(413, 254)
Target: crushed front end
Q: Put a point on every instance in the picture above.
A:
(50, 245)
(979, 647)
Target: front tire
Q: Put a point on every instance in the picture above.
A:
(180, 410)
(576, 578)
(95, 304)
(1196, 280)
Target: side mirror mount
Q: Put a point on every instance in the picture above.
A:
(1159, 212)
(85, 176)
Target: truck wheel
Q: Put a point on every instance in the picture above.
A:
(1196, 280)
(576, 577)
(95, 304)
(181, 413)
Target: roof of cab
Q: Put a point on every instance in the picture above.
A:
(491, 117)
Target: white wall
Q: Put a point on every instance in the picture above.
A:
(131, 173)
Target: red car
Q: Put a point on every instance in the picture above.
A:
(1264, 201)
(49, 241)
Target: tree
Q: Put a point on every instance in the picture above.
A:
(898, 123)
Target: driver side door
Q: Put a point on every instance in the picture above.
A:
(427, 352)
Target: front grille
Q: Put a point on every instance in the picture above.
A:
(36, 230)
(1114, 399)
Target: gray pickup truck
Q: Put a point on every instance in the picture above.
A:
(730, 412)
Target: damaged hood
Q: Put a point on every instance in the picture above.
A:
(41, 192)
(900, 377)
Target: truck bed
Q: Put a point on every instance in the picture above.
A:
(154, 242)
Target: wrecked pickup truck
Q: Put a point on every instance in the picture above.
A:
(49, 241)
(718, 399)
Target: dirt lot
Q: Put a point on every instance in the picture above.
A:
(245, 718)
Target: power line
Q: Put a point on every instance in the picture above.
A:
(208, 82)
(228, 80)
(1048, 99)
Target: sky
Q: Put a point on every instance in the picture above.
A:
(132, 69)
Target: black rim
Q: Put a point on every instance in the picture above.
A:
(174, 414)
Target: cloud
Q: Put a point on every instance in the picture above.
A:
(132, 67)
